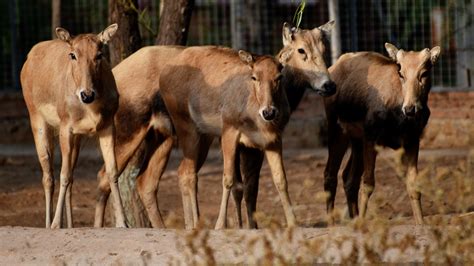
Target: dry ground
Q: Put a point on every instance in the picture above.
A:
(446, 183)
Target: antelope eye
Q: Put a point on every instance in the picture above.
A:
(254, 78)
(72, 56)
(301, 51)
(98, 56)
(424, 74)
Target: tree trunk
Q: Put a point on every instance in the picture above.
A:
(55, 17)
(134, 210)
(125, 42)
(127, 39)
(174, 22)
(175, 17)
(336, 31)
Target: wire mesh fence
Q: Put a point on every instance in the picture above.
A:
(255, 25)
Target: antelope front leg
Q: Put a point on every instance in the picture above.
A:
(43, 135)
(75, 153)
(251, 164)
(124, 150)
(275, 161)
(107, 146)
(237, 189)
(229, 148)
(368, 178)
(411, 155)
(66, 142)
(337, 146)
(352, 175)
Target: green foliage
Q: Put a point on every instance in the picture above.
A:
(299, 14)
(144, 18)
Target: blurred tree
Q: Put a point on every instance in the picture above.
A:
(127, 39)
(55, 17)
(174, 24)
(174, 21)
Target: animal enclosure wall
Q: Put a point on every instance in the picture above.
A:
(255, 25)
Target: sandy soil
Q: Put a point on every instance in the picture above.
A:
(85, 246)
(22, 205)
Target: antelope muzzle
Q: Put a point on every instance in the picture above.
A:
(409, 110)
(269, 113)
(87, 97)
(328, 88)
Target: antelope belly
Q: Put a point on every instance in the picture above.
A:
(207, 122)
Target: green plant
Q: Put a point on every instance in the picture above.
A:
(299, 14)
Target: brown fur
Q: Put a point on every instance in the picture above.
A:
(137, 81)
(379, 101)
(301, 71)
(141, 118)
(224, 96)
(68, 88)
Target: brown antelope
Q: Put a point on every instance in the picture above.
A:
(303, 57)
(141, 118)
(379, 101)
(235, 96)
(69, 88)
(137, 82)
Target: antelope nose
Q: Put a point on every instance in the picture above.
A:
(269, 113)
(409, 110)
(87, 97)
(329, 88)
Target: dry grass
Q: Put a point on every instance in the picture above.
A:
(447, 237)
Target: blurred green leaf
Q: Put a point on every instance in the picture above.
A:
(299, 14)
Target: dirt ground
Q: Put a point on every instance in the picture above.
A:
(179, 247)
(22, 200)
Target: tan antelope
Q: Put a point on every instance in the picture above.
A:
(303, 57)
(138, 115)
(141, 118)
(68, 88)
(379, 101)
(216, 92)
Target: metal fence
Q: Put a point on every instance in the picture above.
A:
(255, 25)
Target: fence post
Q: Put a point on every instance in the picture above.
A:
(55, 17)
(353, 21)
(236, 23)
(336, 31)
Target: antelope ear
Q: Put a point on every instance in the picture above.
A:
(285, 56)
(435, 51)
(246, 57)
(327, 28)
(287, 33)
(107, 34)
(63, 34)
(392, 51)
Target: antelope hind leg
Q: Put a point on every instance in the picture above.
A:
(148, 181)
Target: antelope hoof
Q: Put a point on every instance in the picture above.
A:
(220, 226)
(55, 225)
(122, 225)
(292, 225)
